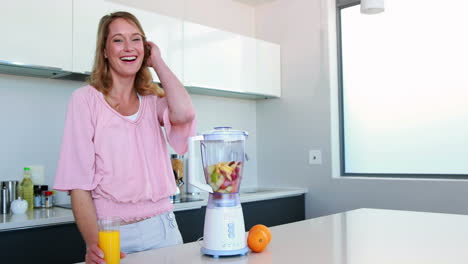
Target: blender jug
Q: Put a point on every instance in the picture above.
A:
(222, 154)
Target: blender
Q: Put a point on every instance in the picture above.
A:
(222, 154)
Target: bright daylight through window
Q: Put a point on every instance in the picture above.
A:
(404, 90)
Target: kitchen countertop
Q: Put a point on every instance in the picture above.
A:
(56, 215)
(362, 236)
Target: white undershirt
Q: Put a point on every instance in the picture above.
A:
(135, 116)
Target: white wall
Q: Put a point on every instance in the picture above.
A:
(33, 113)
(288, 127)
(33, 109)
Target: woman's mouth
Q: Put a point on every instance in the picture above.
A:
(128, 59)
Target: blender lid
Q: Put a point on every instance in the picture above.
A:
(225, 133)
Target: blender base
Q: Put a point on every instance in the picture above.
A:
(224, 253)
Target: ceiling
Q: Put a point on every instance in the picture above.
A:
(254, 2)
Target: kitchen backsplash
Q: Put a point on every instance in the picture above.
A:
(33, 113)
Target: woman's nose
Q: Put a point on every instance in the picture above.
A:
(127, 45)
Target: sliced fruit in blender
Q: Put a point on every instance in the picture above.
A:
(226, 171)
(235, 173)
(224, 176)
(220, 181)
(214, 177)
(225, 184)
(233, 164)
(210, 169)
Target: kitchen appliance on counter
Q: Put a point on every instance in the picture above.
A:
(9, 192)
(222, 155)
(177, 163)
(194, 169)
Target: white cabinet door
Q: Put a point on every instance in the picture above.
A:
(37, 32)
(218, 59)
(268, 72)
(165, 31)
(86, 16)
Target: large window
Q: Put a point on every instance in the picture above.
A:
(404, 89)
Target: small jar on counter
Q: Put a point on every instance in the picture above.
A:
(47, 199)
(38, 197)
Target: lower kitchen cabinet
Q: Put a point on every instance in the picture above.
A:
(191, 223)
(274, 212)
(267, 212)
(63, 243)
(50, 244)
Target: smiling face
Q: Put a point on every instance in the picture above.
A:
(124, 48)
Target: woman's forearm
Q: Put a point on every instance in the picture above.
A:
(85, 215)
(180, 105)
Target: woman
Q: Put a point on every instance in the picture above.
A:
(114, 159)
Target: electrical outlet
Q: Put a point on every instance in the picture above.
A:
(315, 156)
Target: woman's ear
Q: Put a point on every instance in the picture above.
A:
(105, 54)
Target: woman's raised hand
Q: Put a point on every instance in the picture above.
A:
(155, 54)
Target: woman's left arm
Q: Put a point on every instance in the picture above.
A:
(180, 105)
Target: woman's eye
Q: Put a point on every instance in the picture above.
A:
(136, 39)
(117, 40)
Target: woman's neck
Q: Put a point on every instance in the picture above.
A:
(122, 88)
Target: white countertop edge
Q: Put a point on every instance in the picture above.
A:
(24, 221)
(274, 194)
(189, 206)
(65, 216)
(20, 226)
(265, 194)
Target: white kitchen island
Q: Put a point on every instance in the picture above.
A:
(362, 236)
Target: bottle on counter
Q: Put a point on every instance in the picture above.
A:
(27, 188)
(37, 196)
(44, 188)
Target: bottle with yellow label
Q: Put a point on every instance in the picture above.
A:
(27, 188)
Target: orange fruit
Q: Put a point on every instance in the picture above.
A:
(264, 229)
(257, 240)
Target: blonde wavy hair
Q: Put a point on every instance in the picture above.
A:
(101, 78)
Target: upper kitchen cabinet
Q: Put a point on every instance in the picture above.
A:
(37, 33)
(218, 60)
(222, 63)
(268, 71)
(165, 31)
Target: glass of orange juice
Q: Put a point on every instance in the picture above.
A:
(109, 239)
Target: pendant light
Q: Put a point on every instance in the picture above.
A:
(372, 6)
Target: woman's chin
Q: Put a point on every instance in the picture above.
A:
(126, 73)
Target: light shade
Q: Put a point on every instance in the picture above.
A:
(372, 6)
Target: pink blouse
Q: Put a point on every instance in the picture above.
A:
(124, 163)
